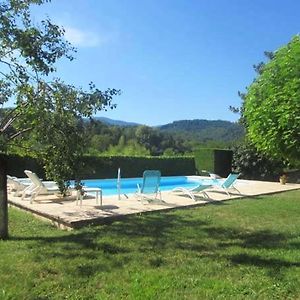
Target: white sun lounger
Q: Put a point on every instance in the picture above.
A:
(17, 185)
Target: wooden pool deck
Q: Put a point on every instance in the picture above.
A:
(65, 214)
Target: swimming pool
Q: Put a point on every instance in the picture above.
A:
(129, 185)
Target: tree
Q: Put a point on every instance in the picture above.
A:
(45, 106)
(150, 138)
(271, 106)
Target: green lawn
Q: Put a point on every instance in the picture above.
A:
(235, 250)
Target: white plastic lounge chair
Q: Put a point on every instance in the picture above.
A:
(200, 188)
(226, 184)
(150, 189)
(17, 185)
(39, 187)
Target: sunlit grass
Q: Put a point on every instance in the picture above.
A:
(239, 249)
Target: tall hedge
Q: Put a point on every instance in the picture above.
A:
(214, 160)
(133, 166)
(107, 166)
(17, 164)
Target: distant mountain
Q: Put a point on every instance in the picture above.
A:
(205, 130)
(115, 122)
(200, 130)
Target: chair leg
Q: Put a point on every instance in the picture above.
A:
(205, 194)
(77, 196)
(160, 195)
(34, 193)
(25, 190)
(32, 197)
(191, 195)
(227, 192)
(81, 198)
(236, 190)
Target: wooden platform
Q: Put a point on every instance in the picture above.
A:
(65, 214)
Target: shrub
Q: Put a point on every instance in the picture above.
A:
(255, 165)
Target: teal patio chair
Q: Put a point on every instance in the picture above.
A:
(226, 184)
(200, 188)
(150, 188)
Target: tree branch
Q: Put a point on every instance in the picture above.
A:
(18, 133)
(9, 119)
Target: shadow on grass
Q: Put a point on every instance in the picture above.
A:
(258, 261)
(154, 234)
(274, 267)
(117, 244)
(261, 239)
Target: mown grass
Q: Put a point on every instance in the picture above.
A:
(236, 250)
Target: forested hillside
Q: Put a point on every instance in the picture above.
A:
(179, 137)
(199, 130)
(109, 121)
(113, 137)
(205, 130)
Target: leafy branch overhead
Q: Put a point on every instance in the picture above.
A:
(45, 106)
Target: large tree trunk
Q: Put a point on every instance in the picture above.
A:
(3, 199)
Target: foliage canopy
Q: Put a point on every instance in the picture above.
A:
(271, 108)
(45, 106)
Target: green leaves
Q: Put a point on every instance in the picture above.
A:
(39, 45)
(271, 106)
(254, 164)
(49, 108)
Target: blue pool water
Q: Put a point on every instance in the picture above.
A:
(129, 185)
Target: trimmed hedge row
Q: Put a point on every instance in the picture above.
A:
(214, 161)
(204, 160)
(107, 166)
(134, 166)
(17, 164)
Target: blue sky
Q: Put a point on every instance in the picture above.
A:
(172, 59)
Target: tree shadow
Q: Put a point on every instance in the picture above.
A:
(274, 267)
(151, 233)
(155, 234)
(261, 239)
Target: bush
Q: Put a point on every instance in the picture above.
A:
(254, 165)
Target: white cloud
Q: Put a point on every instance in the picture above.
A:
(81, 38)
